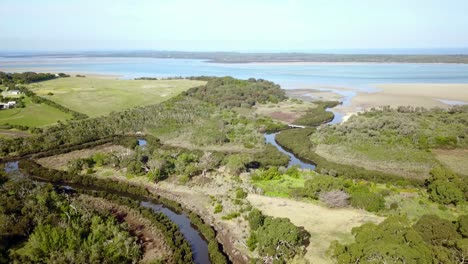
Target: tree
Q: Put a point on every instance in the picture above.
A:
(279, 239)
(445, 192)
(256, 219)
(392, 241)
(437, 231)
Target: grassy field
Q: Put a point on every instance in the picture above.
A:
(323, 224)
(33, 115)
(455, 159)
(99, 96)
(286, 111)
(405, 161)
(281, 187)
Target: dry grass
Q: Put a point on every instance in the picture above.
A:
(455, 159)
(59, 162)
(404, 162)
(286, 111)
(324, 224)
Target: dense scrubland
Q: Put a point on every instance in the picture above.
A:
(381, 161)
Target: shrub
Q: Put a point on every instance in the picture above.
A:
(256, 219)
(361, 197)
(335, 198)
(218, 208)
(436, 231)
(463, 225)
(322, 183)
(266, 175)
(231, 216)
(252, 241)
(240, 193)
(445, 192)
(393, 206)
(279, 238)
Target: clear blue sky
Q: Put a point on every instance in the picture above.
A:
(242, 25)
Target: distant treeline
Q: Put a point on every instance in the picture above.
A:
(237, 57)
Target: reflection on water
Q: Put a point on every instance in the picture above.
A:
(197, 244)
(293, 160)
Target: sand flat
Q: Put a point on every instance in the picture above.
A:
(423, 95)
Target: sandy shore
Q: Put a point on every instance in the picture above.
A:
(394, 95)
(425, 95)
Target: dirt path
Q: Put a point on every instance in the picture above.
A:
(323, 224)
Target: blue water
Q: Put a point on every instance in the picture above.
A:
(360, 76)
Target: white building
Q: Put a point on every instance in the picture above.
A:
(10, 104)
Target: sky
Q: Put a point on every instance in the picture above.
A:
(232, 25)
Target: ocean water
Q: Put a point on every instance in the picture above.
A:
(358, 76)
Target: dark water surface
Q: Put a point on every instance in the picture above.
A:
(196, 241)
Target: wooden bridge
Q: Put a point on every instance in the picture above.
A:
(295, 126)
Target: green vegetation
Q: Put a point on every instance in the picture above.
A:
(32, 115)
(57, 229)
(229, 92)
(396, 141)
(446, 187)
(11, 79)
(318, 115)
(275, 238)
(298, 141)
(183, 119)
(30, 167)
(430, 240)
(100, 96)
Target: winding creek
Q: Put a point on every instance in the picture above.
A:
(293, 159)
(198, 244)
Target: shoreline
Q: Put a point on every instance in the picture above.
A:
(427, 95)
(328, 63)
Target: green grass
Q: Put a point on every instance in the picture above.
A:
(281, 187)
(100, 96)
(33, 115)
(416, 205)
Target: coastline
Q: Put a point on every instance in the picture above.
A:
(428, 95)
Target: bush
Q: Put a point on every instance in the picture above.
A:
(320, 183)
(279, 238)
(218, 208)
(231, 216)
(266, 175)
(240, 193)
(463, 225)
(436, 231)
(445, 192)
(335, 198)
(361, 197)
(256, 219)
